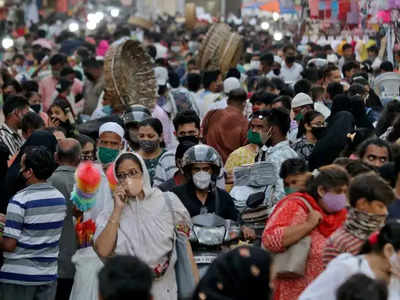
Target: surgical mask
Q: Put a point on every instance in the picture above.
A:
(107, 155)
(290, 60)
(299, 117)
(289, 190)
(318, 132)
(202, 180)
(37, 108)
(107, 109)
(175, 49)
(133, 186)
(188, 138)
(334, 202)
(254, 138)
(255, 65)
(148, 146)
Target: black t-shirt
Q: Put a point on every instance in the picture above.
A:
(194, 206)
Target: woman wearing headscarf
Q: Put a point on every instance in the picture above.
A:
(15, 182)
(141, 224)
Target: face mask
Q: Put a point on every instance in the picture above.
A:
(107, 155)
(107, 109)
(192, 46)
(56, 74)
(318, 132)
(334, 202)
(254, 138)
(299, 117)
(37, 107)
(175, 49)
(148, 146)
(255, 65)
(133, 186)
(188, 138)
(289, 190)
(202, 180)
(277, 72)
(290, 60)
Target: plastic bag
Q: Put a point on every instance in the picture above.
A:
(88, 265)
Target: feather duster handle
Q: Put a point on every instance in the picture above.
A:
(88, 179)
(112, 179)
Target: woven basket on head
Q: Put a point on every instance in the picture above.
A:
(190, 16)
(231, 52)
(129, 75)
(140, 22)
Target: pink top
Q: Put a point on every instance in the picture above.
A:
(292, 213)
(47, 87)
(168, 127)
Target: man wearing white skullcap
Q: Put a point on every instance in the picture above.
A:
(110, 142)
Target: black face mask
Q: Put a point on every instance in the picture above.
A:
(290, 59)
(277, 72)
(188, 138)
(318, 132)
(89, 76)
(36, 107)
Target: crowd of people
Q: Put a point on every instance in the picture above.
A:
(329, 137)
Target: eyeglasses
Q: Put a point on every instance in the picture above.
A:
(130, 174)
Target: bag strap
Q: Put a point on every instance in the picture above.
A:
(306, 203)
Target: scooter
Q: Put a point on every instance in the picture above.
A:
(210, 236)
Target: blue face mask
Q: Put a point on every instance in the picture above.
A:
(107, 109)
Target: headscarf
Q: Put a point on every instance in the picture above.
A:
(243, 273)
(13, 182)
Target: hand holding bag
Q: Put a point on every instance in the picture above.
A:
(292, 263)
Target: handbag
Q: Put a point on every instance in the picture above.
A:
(183, 267)
(292, 262)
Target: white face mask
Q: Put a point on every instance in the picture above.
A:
(176, 49)
(202, 180)
(255, 64)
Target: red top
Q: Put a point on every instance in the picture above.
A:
(292, 211)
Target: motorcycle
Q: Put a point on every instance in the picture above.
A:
(210, 236)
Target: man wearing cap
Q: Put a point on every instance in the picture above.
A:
(230, 84)
(301, 104)
(109, 143)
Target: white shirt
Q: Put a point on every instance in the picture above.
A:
(293, 74)
(337, 272)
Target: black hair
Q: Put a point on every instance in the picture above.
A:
(390, 112)
(263, 97)
(54, 129)
(153, 123)
(193, 82)
(356, 89)
(334, 89)
(126, 156)
(389, 173)
(125, 277)
(293, 166)
(264, 83)
(329, 177)
(67, 71)
(92, 62)
(173, 80)
(357, 167)
(237, 95)
(387, 66)
(40, 160)
(41, 33)
(14, 83)
(12, 103)
(302, 86)
(279, 117)
(313, 74)
(58, 59)
(352, 143)
(63, 104)
(152, 51)
(289, 47)
(285, 100)
(371, 187)
(186, 117)
(348, 67)
(360, 286)
(233, 72)
(209, 77)
(63, 85)
(316, 92)
(362, 149)
(328, 69)
(267, 59)
(84, 140)
(307, 119)
(32, 121)
(70, 155)
(347, 46)
(374, 49)
(342, 161)
(30, 86)
(243, 273)
(18, 56)
(389, 234)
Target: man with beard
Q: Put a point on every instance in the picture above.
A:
(94, 84)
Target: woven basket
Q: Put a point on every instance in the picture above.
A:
(231, 52)
(140, 22)
(190, 16)
(129, 75)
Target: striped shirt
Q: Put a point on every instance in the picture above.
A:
(35, 218)
(11, 139)
(341, 241)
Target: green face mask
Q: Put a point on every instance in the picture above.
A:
(254, 138)
(289, 190)
(299, 117)
(107, 155)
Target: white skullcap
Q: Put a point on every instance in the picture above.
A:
(112, 127)
(301, 99)
(231, 84)
(161, 75)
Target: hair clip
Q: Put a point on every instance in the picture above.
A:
(315, 173)
(373, 238)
